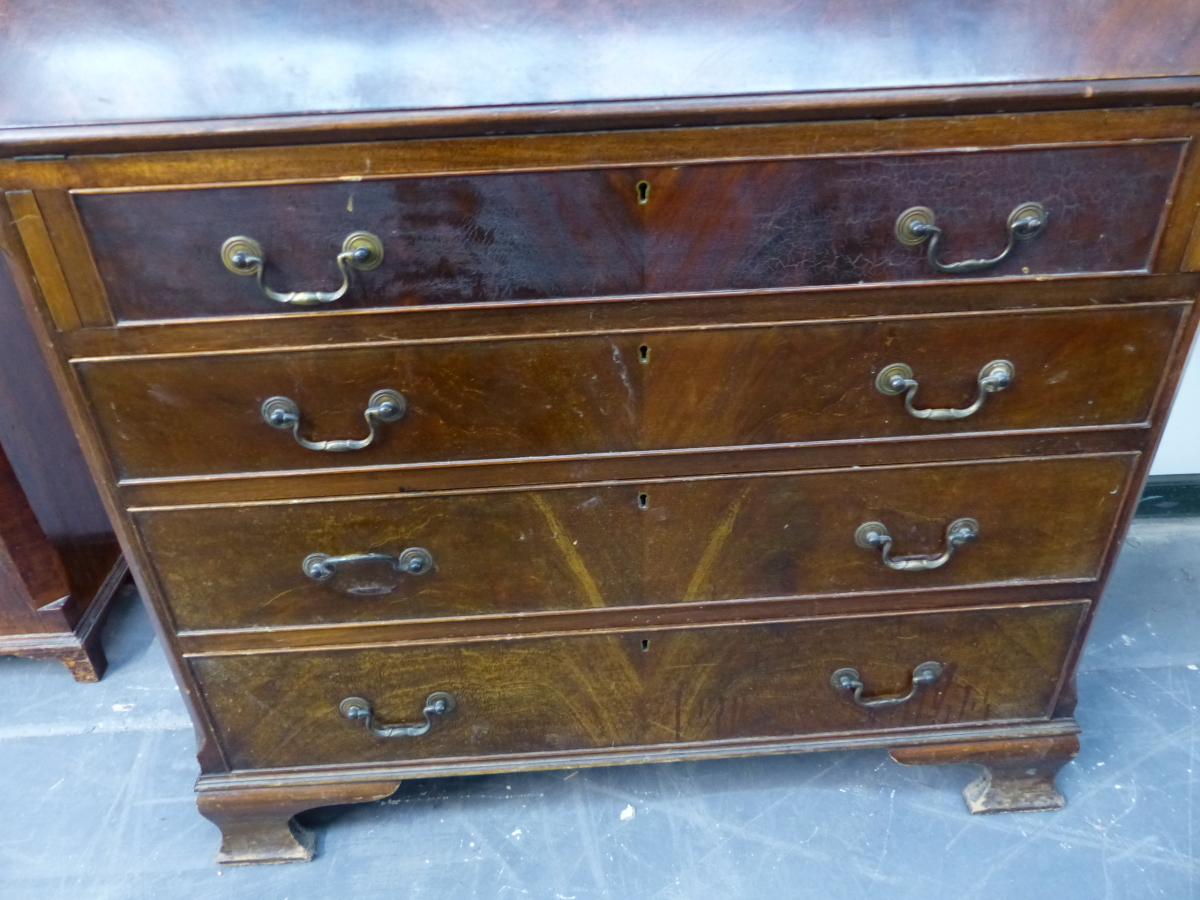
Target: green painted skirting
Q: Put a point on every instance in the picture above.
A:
(1170, 496)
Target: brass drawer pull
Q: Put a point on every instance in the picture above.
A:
(849, 680)
(898, 379)
(361, 251)
(414, 561)
(872, 535)
(384, 406)
(917, 225)
(438, 703)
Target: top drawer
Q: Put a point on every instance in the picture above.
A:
(512, 236)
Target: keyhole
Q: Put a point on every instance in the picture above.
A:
(645, 645)
(644, 353)
(643, 192)
(644, 501)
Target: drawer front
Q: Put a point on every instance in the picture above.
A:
(833, 221)
(677, 541)
(636, 689)
(558, 234)
(445, 240)
(624, 393)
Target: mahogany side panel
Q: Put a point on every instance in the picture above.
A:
(53, 503)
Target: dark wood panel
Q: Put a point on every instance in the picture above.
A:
(446, 240)
(504, 237)
(46, 457)
(629, 689)
(832, 221)
(622, 393)
(32, 575)
(648, 543)
(42, 615)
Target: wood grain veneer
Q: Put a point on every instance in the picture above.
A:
(633, 544)
(647, 391)
(616, 690)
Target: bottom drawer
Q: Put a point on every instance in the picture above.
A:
(639, 688)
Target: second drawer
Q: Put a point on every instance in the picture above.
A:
(622, 545)
(567, 396)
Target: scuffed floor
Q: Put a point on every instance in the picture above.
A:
(95, 794)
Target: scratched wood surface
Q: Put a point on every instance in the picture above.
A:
(623, 393)
(436, 61)
(638, 688)
(675, 541)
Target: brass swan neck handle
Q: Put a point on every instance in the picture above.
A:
(897, 378)
(322, 566)
(361, 251)
(849, 680)
(437, 704)
(384, 406)
(874, 536)
(918, 224)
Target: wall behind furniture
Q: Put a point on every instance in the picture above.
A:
(1179, 452)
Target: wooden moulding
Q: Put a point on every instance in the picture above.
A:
(327, 329)
(282, 780)
(435, 155)
(312, 128)
(32, 227)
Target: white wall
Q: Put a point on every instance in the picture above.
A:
(1179, 452)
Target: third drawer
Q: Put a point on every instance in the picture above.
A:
(624, 545)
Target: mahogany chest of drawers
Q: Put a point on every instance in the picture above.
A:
(557, 406)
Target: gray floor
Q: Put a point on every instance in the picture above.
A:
(95, 790)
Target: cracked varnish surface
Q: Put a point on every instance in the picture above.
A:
(712, 227)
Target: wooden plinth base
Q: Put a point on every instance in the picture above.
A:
(256, 822)
(1018, 775)
(79, 650)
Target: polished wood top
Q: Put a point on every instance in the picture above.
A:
(70, 63)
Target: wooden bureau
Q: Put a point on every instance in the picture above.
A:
(565, 404)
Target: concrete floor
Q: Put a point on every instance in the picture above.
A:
(96, 794)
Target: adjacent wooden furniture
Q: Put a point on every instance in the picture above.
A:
(481, 388)
(60, 564)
